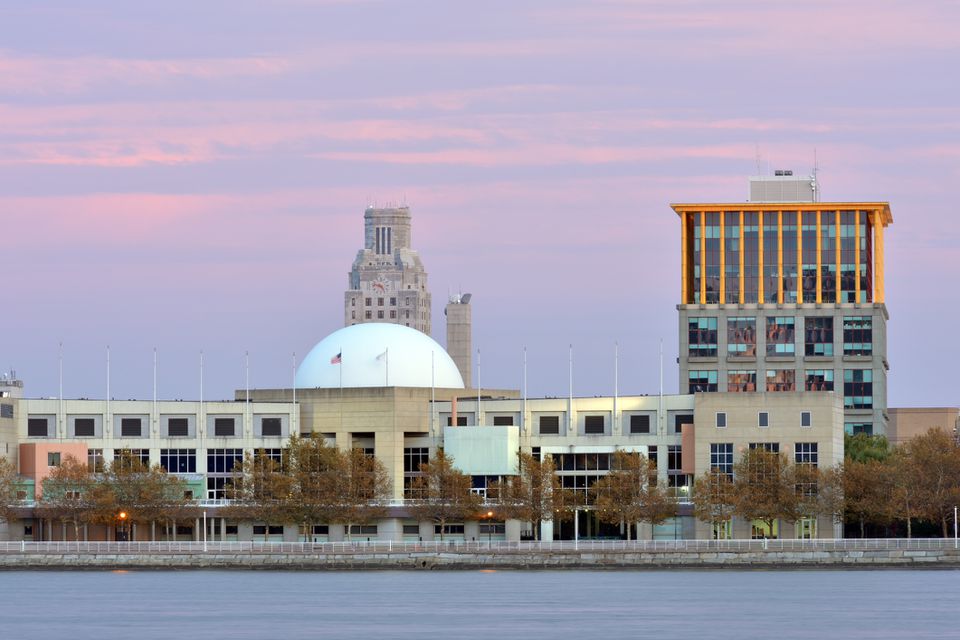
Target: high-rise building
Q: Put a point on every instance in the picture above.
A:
(785, 293)
(388, 282)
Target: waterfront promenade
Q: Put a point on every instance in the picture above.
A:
(613, 554)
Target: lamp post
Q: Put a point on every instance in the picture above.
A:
(204, 530)
(489, 517)
(122, 525)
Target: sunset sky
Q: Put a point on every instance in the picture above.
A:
(192, 176)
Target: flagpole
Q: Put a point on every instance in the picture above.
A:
(295, 429)
(200, 414)
(154, 420)
(570, 407)
(386, 362)
(616, 380)
(246, 373)
(340, 373)
(660, 400)
(478, 387)
(108, 381)
(433, 396)
(523, 408)
(60, 392)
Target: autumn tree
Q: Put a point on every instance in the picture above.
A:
(714, 499)
(442, 493)
(626, 494)
(66, 494)
(361, 491)
(260, 491)
(533, 495)
(9, 485)
(867, 490)
(765, 489)
(932, 462)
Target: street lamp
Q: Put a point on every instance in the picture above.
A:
(489, 517)
(122, 517)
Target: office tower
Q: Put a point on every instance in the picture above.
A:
(388, 282)
(785, 293)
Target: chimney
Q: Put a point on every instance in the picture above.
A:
(460, 334)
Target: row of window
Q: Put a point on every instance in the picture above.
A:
(721, 454)
(135, 427)
(857, 383)
(763, 419)
(780, 335)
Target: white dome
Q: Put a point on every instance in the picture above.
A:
(378, 355)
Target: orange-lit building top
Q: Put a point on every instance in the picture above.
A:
(782, 253)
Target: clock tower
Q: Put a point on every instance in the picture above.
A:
(388, 282)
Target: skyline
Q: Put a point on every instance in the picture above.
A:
(195, 178)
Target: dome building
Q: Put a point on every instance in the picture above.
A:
(378, 355)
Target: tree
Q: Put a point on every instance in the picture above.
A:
(932, 461)
(66, 494)
(443, 493)
(9, 485)
(362, 490)
(260, 491)
(867, 490)
(765, 490)
(626, 494)
(714, 499)
(315, 470)
(533, 495)
(863, 447)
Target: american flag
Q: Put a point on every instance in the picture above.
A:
(336, 359)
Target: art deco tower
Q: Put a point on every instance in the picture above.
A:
(387, 282)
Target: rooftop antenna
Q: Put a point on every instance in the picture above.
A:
(757, 154)
(815, 183)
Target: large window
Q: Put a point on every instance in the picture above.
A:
(681, 419)
(731, 248)
(853, 428)
(781, 380)
(675, 476)
(780, 336)
(818, 380)
(857, 336)
(818, 336)
(271, 427)
(37, 427)
(741, 380)
(721, 457)
(769, 447)
(223, 427)
(702, 381)
(742, 336)
(95, 460)
(549, 425)
(702, 334)
(84, 427)
(130, 427)
(413, 457)
(179, 460)
(858, 388)
(593, 425)
(223, 460)
(132, 455)
(178, 427)
(639, 424)
(805, 453)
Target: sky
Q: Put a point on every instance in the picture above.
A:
(191, 176)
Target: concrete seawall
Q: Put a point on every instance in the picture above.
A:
(895, 558)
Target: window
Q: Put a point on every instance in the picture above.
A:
(84, 427)
(461, 421)
(639, 424)
(781, 380)
(721, 420)
(702, 334)
(379, 302)
(268, 530)
(130, 427)
(805, 453)
(380, 315)
(593, 425)
(805, 419)
(95, 460)
(130, 457)
(857, 388)
(321, 529)
(393, 302)
(858, 336)
(549, 425)
(37, 427)
(223, 460)
(367, 302)
(680, 420)
(353, 302)
(271, 427)
(853, 428)
(702, 381)
(53, 458)
(738, 381)
(769, 447)
(818, 380)
(742, 337)
(413, 457)
(721, 457)
(411, 529)
(179, 460)
(367, 315)
(178, 427)
(503, 421)
(780, 336)
(363, 529)
(393, 313)
(6, 410)
(763, 419)
(223, 427)
(818, 336)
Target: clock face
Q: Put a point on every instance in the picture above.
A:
(380, 285)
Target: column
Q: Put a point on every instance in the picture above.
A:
(703, 257)
(723, 258)
(819, 261)
(856, 253)
(684, 260)
(742, 294)
(800, 256)
(839, 296)
(759, 256)
(779, 257)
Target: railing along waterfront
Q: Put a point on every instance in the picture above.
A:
(477, 546)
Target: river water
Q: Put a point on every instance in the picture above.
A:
(497, 605)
